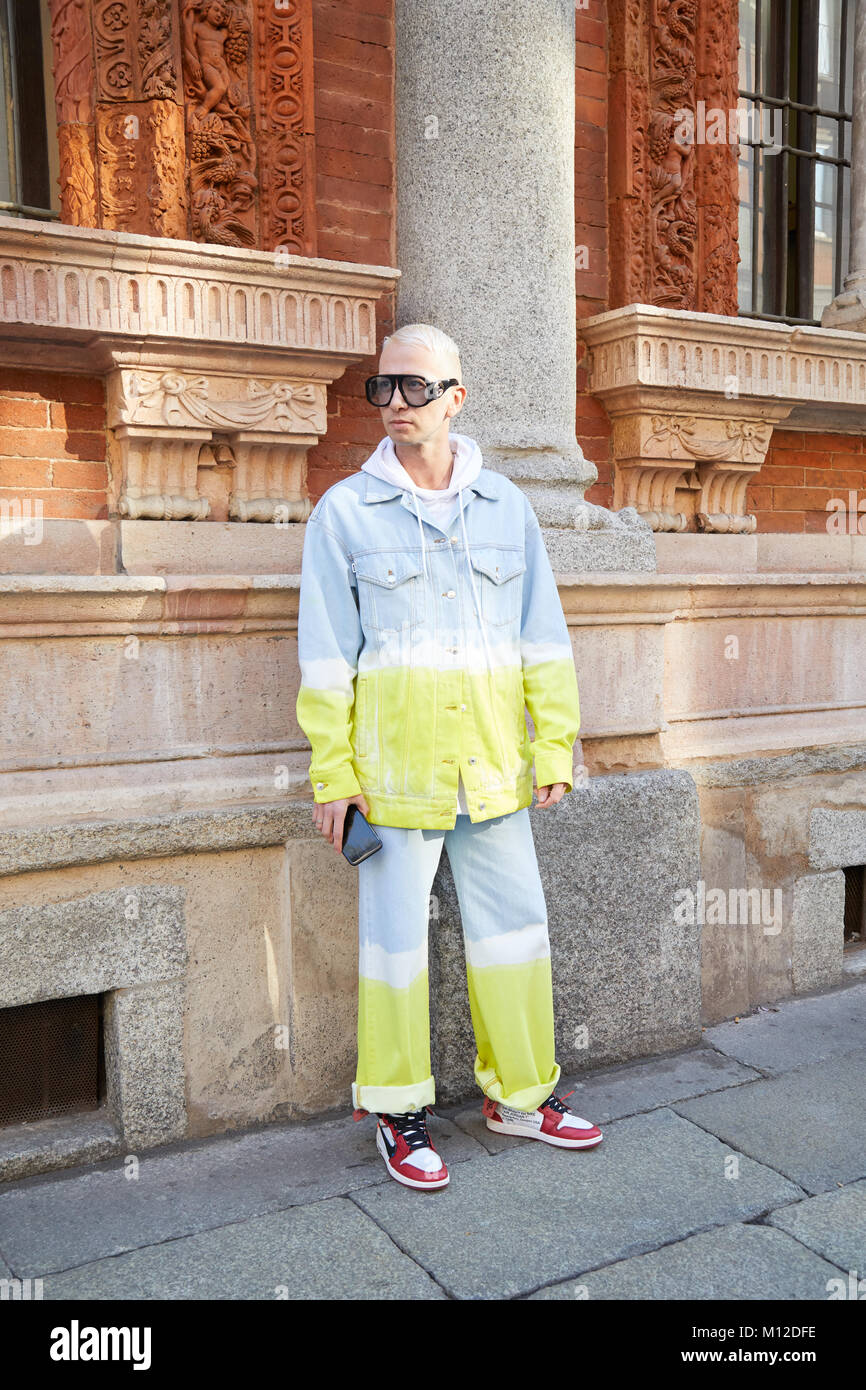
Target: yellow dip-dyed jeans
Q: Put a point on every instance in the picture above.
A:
(508, 971)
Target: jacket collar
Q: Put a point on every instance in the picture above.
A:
(377, 490)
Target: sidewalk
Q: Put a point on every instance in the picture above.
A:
(734, 1170)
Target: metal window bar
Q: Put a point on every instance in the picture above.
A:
(24, 96)
(777, 233)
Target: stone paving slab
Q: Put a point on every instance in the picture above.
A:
(511, 1222)
(619, 1091)
(327, 1250)
(833, 1224)
(734, 1262)
(809, 1124)
(803, 1031)
(57, 1221)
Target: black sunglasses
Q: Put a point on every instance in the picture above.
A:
(415, 390)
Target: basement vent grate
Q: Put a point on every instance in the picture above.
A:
(52, 1059)
(855, 907)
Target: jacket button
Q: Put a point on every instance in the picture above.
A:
(448, 593)
(472, 760)
(481, 805)
(319, 786)
(462, 706)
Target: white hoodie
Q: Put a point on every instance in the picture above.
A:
(441, 503)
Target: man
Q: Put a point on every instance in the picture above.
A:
(429, 620)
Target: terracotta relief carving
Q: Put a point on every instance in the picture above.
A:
(78, 198)
(716, 182)
(73, 89)
(673, 200)
(673, 215)
(285, 125)
(73, 59)
(184, 106)
(136, 54)
(223, 184)
(158, 66)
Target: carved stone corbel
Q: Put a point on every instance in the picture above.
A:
(677, 467)
(170, 424)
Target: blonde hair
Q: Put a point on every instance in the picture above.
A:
(424, 335)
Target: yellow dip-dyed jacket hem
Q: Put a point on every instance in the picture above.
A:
(421, 648)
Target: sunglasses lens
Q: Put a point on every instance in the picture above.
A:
(378, 390)
(415, 390)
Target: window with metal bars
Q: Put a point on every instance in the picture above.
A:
(28, 156)
(796, 75)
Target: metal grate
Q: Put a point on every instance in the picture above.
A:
(855, 906)
(52, 1060)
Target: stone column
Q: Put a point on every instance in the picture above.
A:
(485, 244)
(848, 309)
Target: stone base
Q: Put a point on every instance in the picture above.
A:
(573, 551)
(848, 310)
(626, 978)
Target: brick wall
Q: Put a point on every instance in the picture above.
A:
(590, 224)
(801, 474)
(52, 442)
(353, 58)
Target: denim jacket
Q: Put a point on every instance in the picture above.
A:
(417, 666)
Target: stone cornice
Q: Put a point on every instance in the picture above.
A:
(87, 293)
(642, 347)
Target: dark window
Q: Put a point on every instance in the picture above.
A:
(26, 156)
(796, 73)
(51, 1059)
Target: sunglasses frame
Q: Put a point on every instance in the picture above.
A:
(434, 389)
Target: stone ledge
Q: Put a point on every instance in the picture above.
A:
(64, 1141)
(31, 849)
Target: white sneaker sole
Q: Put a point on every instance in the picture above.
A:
(401, 1177)
(504, 1127)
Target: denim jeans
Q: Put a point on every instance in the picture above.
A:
(508, 971)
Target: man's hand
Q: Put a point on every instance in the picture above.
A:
(328, 816)
(548, 796)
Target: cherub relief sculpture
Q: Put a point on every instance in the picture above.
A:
(216, 39)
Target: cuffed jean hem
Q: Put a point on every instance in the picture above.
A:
(394, 1100)
(529, 1099)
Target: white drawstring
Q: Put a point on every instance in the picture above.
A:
(421, 529)
(472, 582)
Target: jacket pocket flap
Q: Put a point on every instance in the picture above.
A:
(388, 567)
(497, 563)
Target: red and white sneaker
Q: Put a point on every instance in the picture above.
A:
(409, 1155)
(552, 1122)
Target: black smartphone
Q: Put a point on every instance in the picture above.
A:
(359, 838)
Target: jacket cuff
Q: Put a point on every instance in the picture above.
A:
(554, 767)
(335, 783)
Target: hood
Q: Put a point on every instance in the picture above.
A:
(383, 463)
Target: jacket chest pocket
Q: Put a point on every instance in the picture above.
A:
(498, 572)
(390, 589)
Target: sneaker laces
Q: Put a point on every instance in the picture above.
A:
(554, 1102)
(413, 1127)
